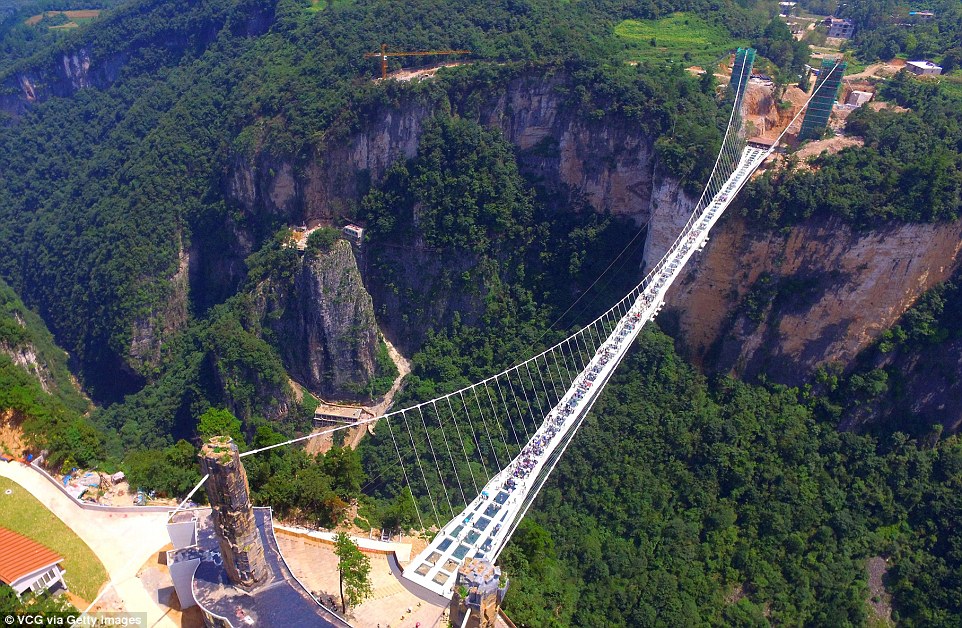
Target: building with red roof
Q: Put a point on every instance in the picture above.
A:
(26, 565)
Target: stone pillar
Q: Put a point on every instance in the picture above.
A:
(478, 592)
(229, 494)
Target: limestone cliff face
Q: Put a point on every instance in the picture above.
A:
(150, 331)
(670, 208)
(27, 358)
(337, 174)
(69, 72)
(323, 323)
(607, 162)
(26, 342)
(607, 165)
(783, 303)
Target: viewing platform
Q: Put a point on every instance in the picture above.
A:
(281, 600)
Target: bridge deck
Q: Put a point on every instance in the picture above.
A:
(484, 526)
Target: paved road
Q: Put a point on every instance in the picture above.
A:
(122, 542)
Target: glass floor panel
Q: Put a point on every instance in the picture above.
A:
(461, 552)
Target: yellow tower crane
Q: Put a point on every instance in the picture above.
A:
(384, 54)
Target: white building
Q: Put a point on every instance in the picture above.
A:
(787, 8)
(858, 98)
(28, 566)
(923, 68)
(354, 234)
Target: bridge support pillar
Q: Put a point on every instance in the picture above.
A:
(229, 494)
(478, 592)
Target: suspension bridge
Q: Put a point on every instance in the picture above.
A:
(476, 458)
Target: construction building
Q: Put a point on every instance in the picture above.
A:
(840, 27)
(826, 92)
(744, 57)
(923, 68)
(328, 415)
(858, 98)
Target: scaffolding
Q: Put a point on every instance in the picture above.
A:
(826, 91)
(744, 58)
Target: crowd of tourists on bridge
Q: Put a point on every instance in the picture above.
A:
(533, 452)
(669, 269)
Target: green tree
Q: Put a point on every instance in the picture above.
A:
(343, 465)
(354, 569)
(952, 59)
(42, 604)
(323, 239)
(402, 513)
(708, 82)
(219, 422)
(170, 472)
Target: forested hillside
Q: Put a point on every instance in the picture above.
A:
(155, 161)
(115, 212)
(910, 168)
(38, 395)
(148, 210)
(689, 501)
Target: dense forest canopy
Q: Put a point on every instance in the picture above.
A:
(751, 512)
(886, 28)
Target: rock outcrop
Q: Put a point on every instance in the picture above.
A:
(229, 492)
(151, 330)
(323, 323)
(781, 303)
